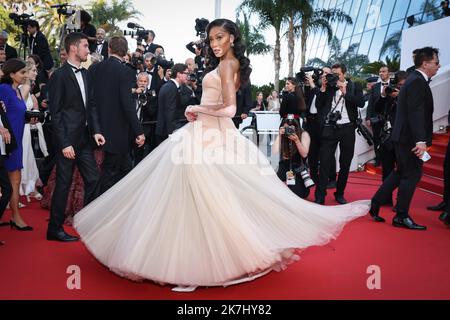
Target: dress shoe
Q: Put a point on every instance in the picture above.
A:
(331, 185)
(445, 218)
(407, 223)
(61, 236)
(440, 207)
(374, 213)
(15, 226)
(340, 198)
(320, 201)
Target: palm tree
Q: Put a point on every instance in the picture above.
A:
(374, 67)
(108, 16)
(271, 13)
(312, 20)
(354, 61)
(392, 44)
(253, 39)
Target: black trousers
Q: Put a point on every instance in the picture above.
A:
(331, 137)
(85, 161)
(6, 188)
(387, 157)
(47, 165)
(447, 177)
(405, 177)
(376, 130)
(115, 167)
(313, 128)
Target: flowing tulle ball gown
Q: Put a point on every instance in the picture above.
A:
(205, 209)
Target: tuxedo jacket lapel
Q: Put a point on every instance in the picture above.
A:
(71, 74)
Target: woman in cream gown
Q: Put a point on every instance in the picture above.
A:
(206, 208)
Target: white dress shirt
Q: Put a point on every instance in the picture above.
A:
(80, 81)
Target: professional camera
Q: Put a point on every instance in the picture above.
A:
(20, 20)
(392, 86)
(200, 27)
(145, 96)
(161, 61)
(139, 32)
(301, 76)
(332, 80)
(333, 118)
(304, 173)
(62, 9)
(289, 131)
(364, 132)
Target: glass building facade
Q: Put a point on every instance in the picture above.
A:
(374, 21)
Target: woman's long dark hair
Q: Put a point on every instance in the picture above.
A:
(11, 66)
(287, 152)
(238, 49)
(301, 106)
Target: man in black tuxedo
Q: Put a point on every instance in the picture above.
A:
(101, 46)
(411, 135)
(148, 45)
(146, 102)
(73, 127)
(154, 72)
(170, 107)
(372, 116)
(337, 111)
(116, 112)
(9, 51)
(38, 44)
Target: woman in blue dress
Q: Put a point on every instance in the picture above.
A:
(14, 74)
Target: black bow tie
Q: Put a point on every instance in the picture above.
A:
(429, 80)
(385, 83)
(77, 69)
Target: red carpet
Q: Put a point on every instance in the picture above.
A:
(414, 265)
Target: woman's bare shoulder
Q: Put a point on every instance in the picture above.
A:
(231, 64)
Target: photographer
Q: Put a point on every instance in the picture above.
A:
(294, 150)
(38, 45)
(313, 126)
(373, 118)
(386, 107)
(147, 110)
(88, 29)
(293, 100)
(148, 45)
(101, 45)
(154, 72)
(337, 104)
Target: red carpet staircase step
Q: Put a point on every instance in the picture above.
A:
(433, 170)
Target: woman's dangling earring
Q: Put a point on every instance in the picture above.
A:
(232, 44)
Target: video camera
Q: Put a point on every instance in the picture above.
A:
(200, 27)
(139, 32)
(316, 74)
(62, 9)
(20, 19)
